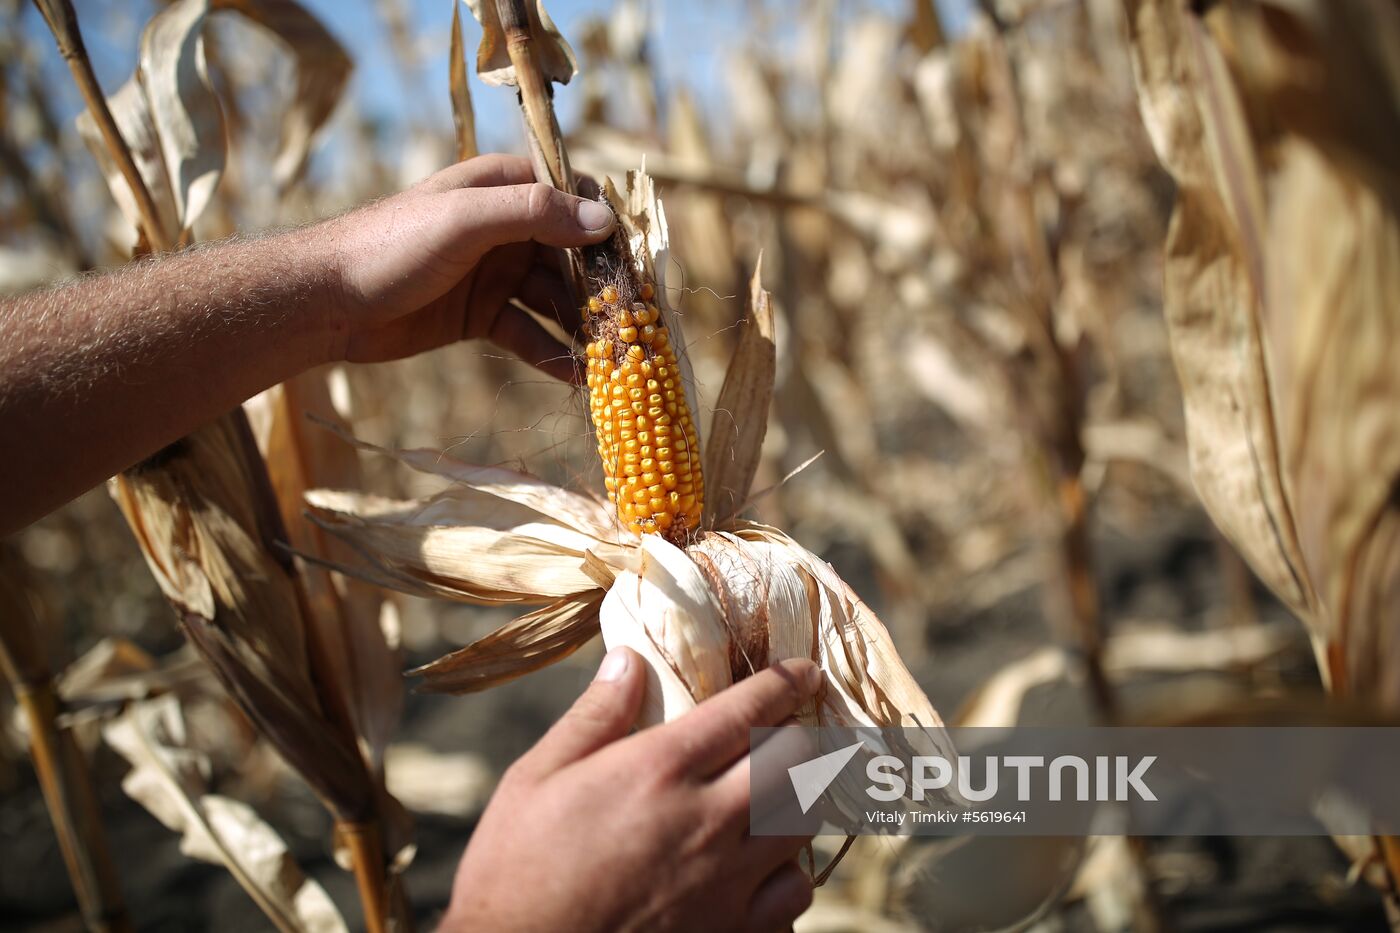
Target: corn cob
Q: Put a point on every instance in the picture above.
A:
(646, 438)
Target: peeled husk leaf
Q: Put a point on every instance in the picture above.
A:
(170, 779)
(740, 418)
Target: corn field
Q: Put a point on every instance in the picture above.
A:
(1038, 353)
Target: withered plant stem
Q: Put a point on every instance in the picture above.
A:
(367, 861)
(546, 140)
(536, 97)
(74, 808)
(63, 23)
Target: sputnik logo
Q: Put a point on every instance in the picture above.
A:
(811, 778)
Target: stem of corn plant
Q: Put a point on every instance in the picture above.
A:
(367, 859)
(546, 140)
(62, 770)
(364, 838)
(536, 97)
(63, 23)
(74, 809)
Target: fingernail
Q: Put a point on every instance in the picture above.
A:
(613, 666)
(814, 679)
(594, 215)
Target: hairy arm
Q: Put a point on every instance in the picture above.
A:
(100, 373)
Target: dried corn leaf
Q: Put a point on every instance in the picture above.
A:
(193, 510)
(132, 114)
(184, 109)
(322, 70)
(740, 418)
(1212, 291)
(463, 116)
(1282, 283)
(170, 779)
(553, 55)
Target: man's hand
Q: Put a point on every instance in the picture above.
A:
(441, 262)
(595, 831)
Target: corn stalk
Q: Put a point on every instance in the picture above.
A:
(64, 775)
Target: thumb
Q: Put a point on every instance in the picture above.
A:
(539, 212)
(605, 713)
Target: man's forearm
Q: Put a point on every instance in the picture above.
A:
(101, 372)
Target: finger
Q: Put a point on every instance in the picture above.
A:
(517, 213)
(780, 900)
(605, 713)
(741, 789)
(486, 171)
(514, 330)
(716, 733)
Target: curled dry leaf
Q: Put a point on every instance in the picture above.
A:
(553, 53)
(1283, 275)
(322, 70)
(463, 116)
(132, 114)
(171, 121)
(170, 779)
(188, 121)
(173, 124)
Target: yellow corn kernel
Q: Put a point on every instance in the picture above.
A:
(645, 433)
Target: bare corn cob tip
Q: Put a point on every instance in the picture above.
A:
(646, 439)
